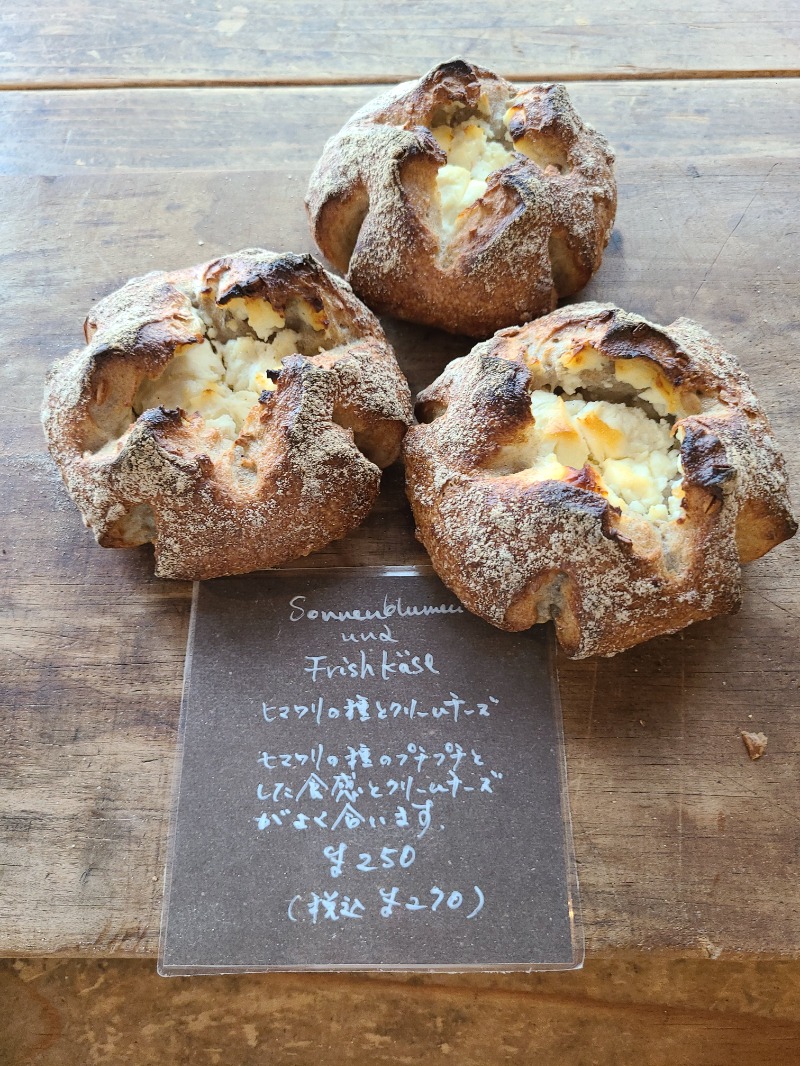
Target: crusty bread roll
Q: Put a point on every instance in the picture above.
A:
(236, 414)
(462, 202)
(597, 469)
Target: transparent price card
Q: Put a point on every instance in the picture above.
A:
(369, 777)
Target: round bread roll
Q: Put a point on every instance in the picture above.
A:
(597, 469)
(462, 202)
(236, 414)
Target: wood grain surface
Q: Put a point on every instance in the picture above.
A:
(266, 42)
(683, 844)
(625, 1009)
(692, 122)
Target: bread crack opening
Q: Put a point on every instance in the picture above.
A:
(545, 151)
(473, 154)
(476, 146)
(223, 376)
(136, 526)
(608, 448)
(613, 433)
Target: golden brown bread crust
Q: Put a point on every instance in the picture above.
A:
(537, 234)
(518, 551)
(304, 467)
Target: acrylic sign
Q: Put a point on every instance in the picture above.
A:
(370, 777)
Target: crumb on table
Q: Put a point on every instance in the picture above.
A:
(756, 744)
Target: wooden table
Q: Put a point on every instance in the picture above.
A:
(170, 134)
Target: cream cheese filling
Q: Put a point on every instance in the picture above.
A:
(474, 152)
(472, 155)
(632, 460)
(605, 425)
(222, 380)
